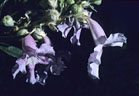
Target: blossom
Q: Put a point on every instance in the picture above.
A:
(98, 35)
(33, 55)
(77, 23)
(101, 41)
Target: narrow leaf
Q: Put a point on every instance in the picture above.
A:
(11, 50)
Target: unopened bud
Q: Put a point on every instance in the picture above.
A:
(69, 2)
(52, 15)
(52, 3)
(8, 21)
(85, 4)
(22, 32)
(39, 34)
(85, 13)
(76, 9)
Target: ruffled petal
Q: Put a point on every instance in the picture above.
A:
(46, 47)
(76, 37)
(65, 29)
(117, 39)
(20, 66)
(44, 60)
(94, 61)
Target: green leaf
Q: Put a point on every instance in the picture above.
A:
(13, 51)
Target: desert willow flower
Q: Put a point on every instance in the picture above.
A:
(98, 35)
(33, 55)
(101, 41)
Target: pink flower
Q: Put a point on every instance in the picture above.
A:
(32, 56)
(99, 37)
(77, 24)
(101, 41)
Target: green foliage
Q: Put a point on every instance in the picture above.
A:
(12, 51)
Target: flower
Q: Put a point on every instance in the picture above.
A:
(33, 55)
(98, 35)
(101, 41)
(77, 23)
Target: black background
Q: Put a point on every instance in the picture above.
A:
(119, 71)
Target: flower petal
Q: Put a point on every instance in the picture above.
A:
(116, 39)
(93, 70)
(97, 31)
(65, 29)
(94, 61)
(29, 45)
(46, 47)
(76, 37)
(31, 79)
(20, 66)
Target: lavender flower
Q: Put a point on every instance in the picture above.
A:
(33, 55)
(98, 35)
(101, 41)
(77, 23)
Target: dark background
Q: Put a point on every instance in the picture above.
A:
(119, 71)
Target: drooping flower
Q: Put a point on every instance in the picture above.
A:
(98, 35)
(33, 55)
(77, 23)
(101, 41)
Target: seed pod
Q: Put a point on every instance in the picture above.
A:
(8, 21)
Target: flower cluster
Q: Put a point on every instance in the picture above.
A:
(60, 16)
(33, 55)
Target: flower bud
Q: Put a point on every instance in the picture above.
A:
(97, 2)
(76, 9)
(8, 21)
(39, 34)
(85, 4)
(52, 3)
(69, 2)
(22, 32)
(52, 15)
